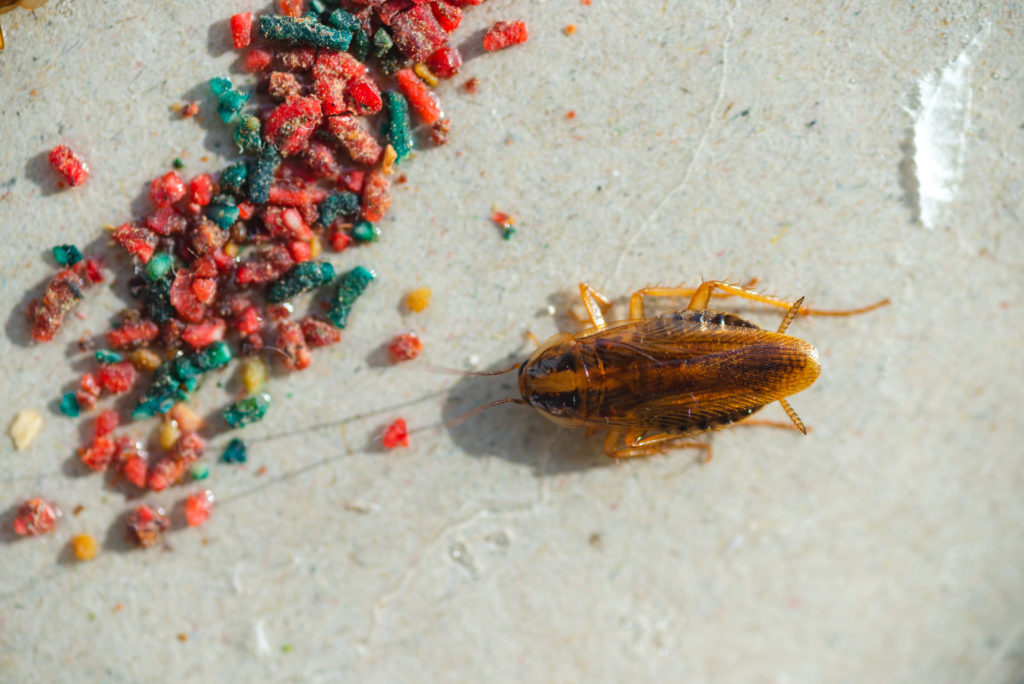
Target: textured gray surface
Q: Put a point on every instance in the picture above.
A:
(714, 139)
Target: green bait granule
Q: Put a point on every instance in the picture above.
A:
(159, 265)
(350, 286)
(234, 452)
(306, 276)
(262, 175)
(107, 356)
(364, 231)
(247, 135)
(399, 130)
(337, 204)
(246, 411)
(67, 255)
(303, 31)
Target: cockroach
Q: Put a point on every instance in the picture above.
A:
(656, 383)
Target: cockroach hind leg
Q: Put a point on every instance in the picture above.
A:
(790, 315)
(595, 303)
(793, 416)
(621, 444)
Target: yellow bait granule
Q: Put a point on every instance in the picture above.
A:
(167, 434)
(24, 429)
(145, 359)
(84, 546)
(418, 300)
(254, 374)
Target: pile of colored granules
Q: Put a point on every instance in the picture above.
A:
(219, 256)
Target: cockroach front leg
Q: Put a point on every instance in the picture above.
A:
(633, 444)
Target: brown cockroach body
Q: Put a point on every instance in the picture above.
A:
(657, 382)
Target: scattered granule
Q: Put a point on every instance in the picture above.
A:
(25, 428)
(418, 299)
(84, 546)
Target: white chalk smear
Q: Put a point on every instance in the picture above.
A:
(940, 131)
(262, 645)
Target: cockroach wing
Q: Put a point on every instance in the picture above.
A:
(689, 371)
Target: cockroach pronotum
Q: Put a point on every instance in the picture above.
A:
(655, 383)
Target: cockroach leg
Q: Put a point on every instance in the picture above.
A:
(636, 301)
(790, 315)
(792, 416)
(704, 293)
(596, 304)
(757, 422)
(633, 444)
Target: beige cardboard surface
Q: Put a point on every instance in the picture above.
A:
(710, 139)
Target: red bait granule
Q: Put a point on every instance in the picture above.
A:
(321, 160)
(167, 189)
(363, 96)
(198, 507)
(445, 62)
(292, 345)
(146, 525)
(354, 180)
(417, 34)
(249, 321)
(265, 266)
(405, 347)
(297, 59)
(200, 335)
(133, 334)
(137, 240)
(286, 223)
(241, 29)
(291, 124)
(257, 60)
(357, 141)
(106, 423)
(396, 435)
(339, 65)
(167, 221)
(330, 91)
(116, 377)
(36, 516)
(201, 190)
(420, 98)
(319, 333)
(376, 196)
(187, 450)
(93, 270)
(134, 465)
(62, 293)
(284, 85)
(448, 16)
(69, 165)
(439, 132)
(184, 299)
(290, 8)
(504, 34)
(88, 392)
(190, 110)
(99, 454)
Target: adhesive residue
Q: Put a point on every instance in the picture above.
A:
(941, 120)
